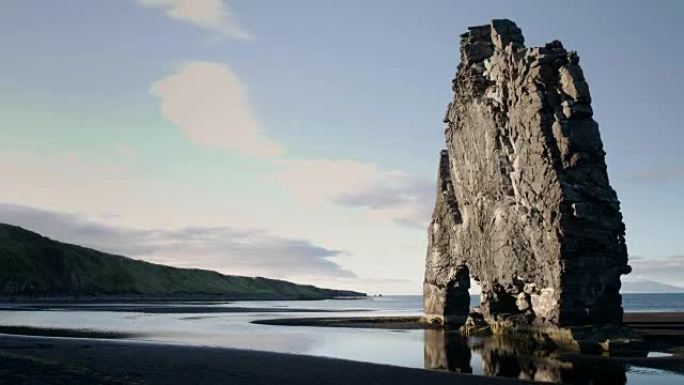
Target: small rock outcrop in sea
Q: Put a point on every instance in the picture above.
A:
(523, 203)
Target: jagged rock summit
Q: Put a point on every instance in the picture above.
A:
(523, 202)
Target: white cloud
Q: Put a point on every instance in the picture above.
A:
(208, 103)
(395, 196)
(318, 181)
(387, 195)
(213, 15)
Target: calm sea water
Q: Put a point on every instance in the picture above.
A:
(431, 349)
(653, 302)
(632, 302)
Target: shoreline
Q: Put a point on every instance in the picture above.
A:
(57, 356)
(403, 323)
(61, 355)
(63, 360)
(186, 308)
(653, 323)
(31, 331)
(170, 298)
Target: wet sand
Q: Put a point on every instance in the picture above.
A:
(403, 323)
(660, 324)
(71, 333)
(40, 360)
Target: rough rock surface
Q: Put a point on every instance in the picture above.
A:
(523, 202)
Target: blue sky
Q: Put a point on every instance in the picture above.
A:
(330, 148)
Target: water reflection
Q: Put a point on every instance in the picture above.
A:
(433, 349)
(446, 352)
(503, 357)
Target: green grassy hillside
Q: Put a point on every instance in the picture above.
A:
(35, 266)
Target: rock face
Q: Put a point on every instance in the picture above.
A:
(523, 202)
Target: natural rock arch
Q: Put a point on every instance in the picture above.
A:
(523, 199)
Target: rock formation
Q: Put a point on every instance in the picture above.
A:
(523, 203)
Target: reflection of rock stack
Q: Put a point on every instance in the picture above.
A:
(520, 358)
(446, 352)
(502, 357)
(524, 360)
(523, 203)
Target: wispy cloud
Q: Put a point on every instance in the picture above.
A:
(387, 195)
(213, 15)
(404, 199)
(232, 251)
(207, 102)
(318, 181)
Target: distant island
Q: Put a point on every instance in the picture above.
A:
(35, 267)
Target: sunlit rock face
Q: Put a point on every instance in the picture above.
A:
(523, 202)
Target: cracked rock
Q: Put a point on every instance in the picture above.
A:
(523, 202)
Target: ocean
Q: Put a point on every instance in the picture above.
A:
(431, 349)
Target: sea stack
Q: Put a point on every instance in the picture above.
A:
(523, 203)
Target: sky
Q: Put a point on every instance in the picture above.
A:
(299, 139)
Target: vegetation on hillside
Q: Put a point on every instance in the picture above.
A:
(35, 266)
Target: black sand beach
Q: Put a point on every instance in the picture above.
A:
(40, 360)
(653, 324)
(40, 356)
